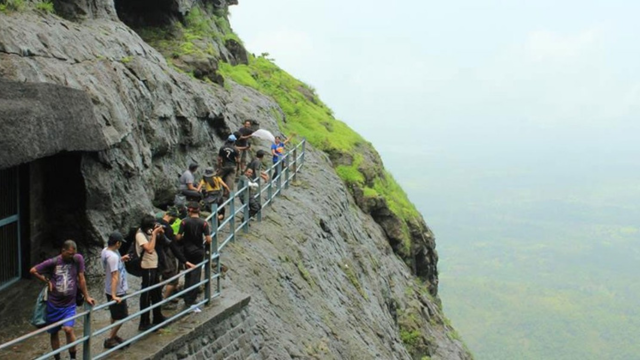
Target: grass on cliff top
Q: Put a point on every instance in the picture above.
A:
(203, 29)
(308, 117)
(7, 6)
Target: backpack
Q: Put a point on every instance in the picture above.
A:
(134, 265)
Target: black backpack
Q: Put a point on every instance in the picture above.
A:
(134, 265)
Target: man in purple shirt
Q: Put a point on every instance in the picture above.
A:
(64, 274)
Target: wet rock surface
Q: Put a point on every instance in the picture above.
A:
(325, 281)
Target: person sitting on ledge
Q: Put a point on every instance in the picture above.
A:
(187, 183)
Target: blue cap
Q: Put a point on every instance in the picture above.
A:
(231, 138)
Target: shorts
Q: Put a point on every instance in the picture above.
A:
(118, 311)
(55, 314)
(170, 269)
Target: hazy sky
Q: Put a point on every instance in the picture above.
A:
(485, 111)
(463, 76)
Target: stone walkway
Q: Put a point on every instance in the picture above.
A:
(15, 322)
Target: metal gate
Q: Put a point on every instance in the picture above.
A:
(10, 256)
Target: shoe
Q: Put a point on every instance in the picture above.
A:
(159, 320)
(110, 343)
(196, 310)
(144, 327)
(120, 341)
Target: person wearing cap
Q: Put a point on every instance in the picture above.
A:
(256, 166)
(213, 189)
(228, 161)
(169, 253)
(243, 144)
(187, 183)
(193, 230)
(115, 285)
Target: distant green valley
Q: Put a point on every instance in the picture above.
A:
(535, 262)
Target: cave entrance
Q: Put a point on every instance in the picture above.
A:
(10, 244)
(145, 13)
(57, 210)
(42, 204)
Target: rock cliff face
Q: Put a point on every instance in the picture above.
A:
(322, 267)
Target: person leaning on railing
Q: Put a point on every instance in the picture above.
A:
(254, 204)
(192, 231)
(64, 277)
(277, 151)
(256, 166)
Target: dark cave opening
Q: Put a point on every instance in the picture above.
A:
(146, 13)
(57, 203)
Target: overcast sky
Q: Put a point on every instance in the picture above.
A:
(463, 76)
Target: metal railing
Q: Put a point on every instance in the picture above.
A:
(287, 169)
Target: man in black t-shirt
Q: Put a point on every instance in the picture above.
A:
(228, 161)
(243, 144)
(193, 232)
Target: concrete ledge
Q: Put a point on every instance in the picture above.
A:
(221, 331)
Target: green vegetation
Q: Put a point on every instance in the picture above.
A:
(397, 199)
(305, 274)
(46, 6)
(308, 117)
(351, 174)
(126, 59)
(7, 6)
(353, 278)
(12, 5)
(206, 30)
(410, 338)
(200, 37)
(537, 271)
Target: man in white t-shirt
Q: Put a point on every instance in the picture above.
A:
(115, 285)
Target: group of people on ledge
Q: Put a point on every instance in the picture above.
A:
(165, 243)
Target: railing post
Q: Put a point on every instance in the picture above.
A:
(86, 345)
(295, 163)
(245, 214)
(260, 199)
(279, 167)
(207, 273)
(214, 242)
(287, 172)
(270, 189)
(304, 149)
(232, 213)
